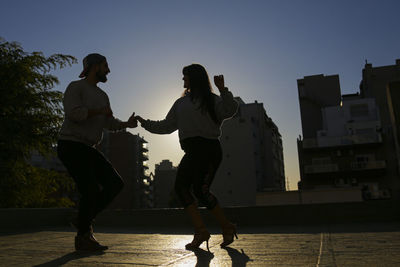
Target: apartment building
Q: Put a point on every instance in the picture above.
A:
(252, 157)
(164, 181)
(351, 140)
(128, 153)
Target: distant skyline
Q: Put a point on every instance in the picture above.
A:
(262, 48)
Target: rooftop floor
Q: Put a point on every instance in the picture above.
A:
(357, 244)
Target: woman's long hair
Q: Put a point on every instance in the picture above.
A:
(200, 89)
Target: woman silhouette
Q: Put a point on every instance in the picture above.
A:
(198, 116)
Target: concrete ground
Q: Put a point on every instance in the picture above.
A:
(371, 244)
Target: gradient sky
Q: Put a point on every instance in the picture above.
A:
(262, 48)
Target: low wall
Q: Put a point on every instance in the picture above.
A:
(316, 196)
(371, 211)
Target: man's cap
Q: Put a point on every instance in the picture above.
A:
(90, 60)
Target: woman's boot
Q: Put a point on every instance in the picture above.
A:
(228, 228)
(201, 233)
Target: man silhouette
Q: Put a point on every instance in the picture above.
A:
(87, 112)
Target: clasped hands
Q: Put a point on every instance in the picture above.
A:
(219, 83)
(133, 120)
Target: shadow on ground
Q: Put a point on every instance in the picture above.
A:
(69, 257)
(239, 258)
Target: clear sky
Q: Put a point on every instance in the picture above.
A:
(262, 48)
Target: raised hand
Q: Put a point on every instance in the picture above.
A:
(219, 82)
(132, 122)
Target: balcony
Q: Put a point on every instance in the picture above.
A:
(334, 141)
(321, 168)
(145, 165)
(144, 156)
(145, 147)
(365, 139)
(368, 165)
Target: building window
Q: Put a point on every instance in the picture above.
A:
(365, 158)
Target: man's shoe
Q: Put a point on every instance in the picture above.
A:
(87, 242)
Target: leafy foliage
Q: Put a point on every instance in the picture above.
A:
(30, 117)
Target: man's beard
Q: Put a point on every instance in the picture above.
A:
(101, 77)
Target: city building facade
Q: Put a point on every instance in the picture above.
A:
(350, 140)
(252, 157)
(164, 181)
(128, 153)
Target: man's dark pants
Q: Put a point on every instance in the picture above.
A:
(97, 181)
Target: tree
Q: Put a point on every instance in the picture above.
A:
(30, 117)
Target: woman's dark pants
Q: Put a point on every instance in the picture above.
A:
(197, 170)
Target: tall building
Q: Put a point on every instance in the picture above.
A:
(316, 92)
(164, 181)
(252, 157)
(348, 141)
(382, 83)
(128, 155)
